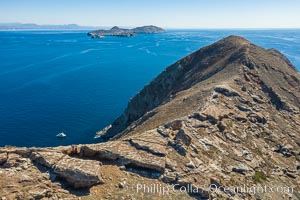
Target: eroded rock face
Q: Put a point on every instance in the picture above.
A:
(147, 152)
(226, 90)
(22, 179)
(78, 172)
(3, 158)
(13, 160)
(151, 141)
(47, 159)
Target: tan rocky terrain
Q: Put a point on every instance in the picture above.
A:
(225, 116)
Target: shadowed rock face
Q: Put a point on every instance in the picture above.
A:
(228, 115)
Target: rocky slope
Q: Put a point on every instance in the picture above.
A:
(121, 32)
(227, 115)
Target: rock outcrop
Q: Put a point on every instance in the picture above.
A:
(77, 172)
(227, 115)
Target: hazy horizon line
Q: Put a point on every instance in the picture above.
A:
(165, 27)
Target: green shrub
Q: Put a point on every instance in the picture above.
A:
(259, 177)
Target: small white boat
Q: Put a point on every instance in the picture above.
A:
(61, 135)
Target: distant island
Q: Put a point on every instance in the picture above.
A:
(122, 32)
(32, 26)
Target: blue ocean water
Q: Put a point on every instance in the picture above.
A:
(64, 81)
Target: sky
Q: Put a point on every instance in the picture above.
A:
(164, 13)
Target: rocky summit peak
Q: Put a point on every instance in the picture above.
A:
(230, 57)
(115, 28)
(235, 39)
(227, 114)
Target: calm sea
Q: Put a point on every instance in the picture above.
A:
(64, 81)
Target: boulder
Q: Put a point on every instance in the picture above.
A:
(241, 119)
(39, 193)
(169, 177)
(178, 146)
(183, 136)
(163, 131)
(47, 159)
(243, 108)
(13, 160)
(191, 165)
(226, 90)
(174, 125)
(199, 116)
(79, 173)
(257, 99)
(232, 137)
(256, 118)
(241, 168)
(285, 150)
(171, 164)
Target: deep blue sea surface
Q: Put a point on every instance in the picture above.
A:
(64, 81)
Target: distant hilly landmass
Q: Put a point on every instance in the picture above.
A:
(123, 32)
(32, 26)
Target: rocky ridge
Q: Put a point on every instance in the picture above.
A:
(226, 115)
